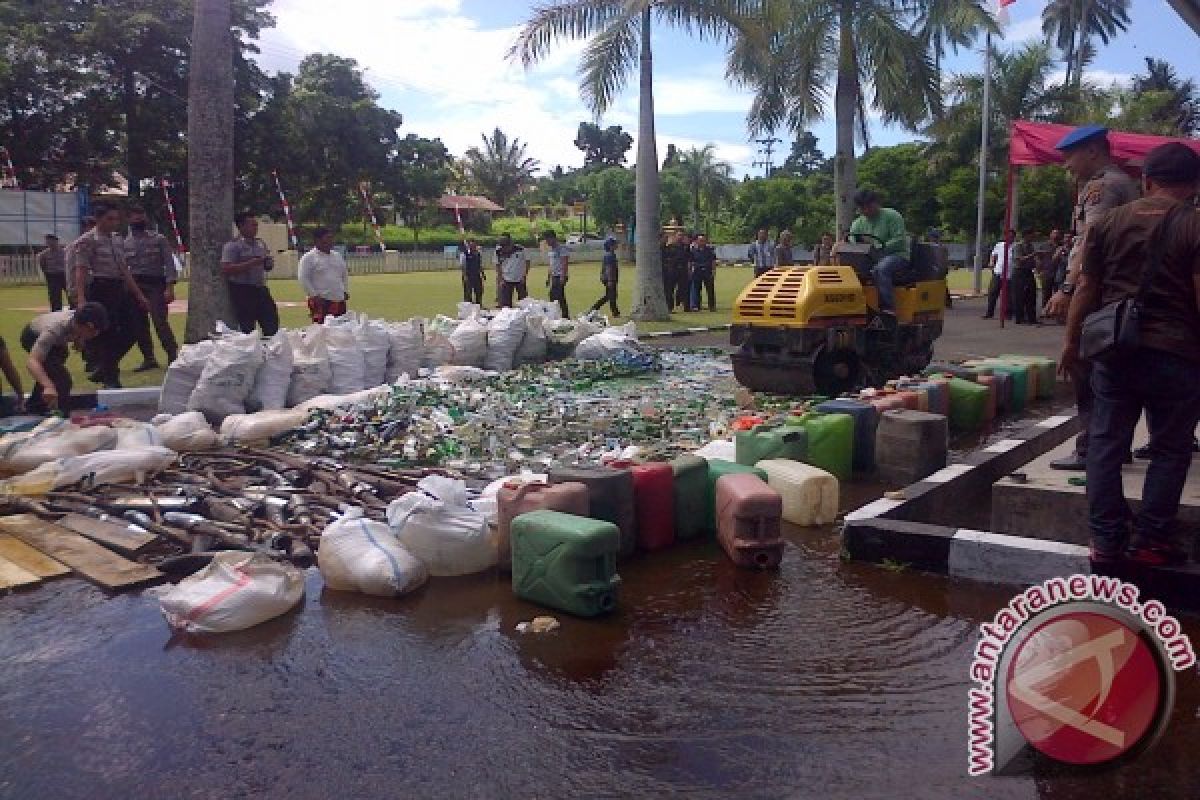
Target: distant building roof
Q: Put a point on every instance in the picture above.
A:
(469, 202)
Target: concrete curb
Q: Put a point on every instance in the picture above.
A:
(684, 331)
(930, 529)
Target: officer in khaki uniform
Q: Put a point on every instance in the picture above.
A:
(153, 266)
(102, 276)
(1104, 187)
(245, 263)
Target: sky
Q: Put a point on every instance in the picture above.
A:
(443, 65)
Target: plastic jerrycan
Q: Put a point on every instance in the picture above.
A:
(830, 441)
(993, 387)
(1019, 395)
(810, 494)
(516, 498)
(865, 417)
(951, 371)
(610, 498)
(968, 404)
(1031, 377)
(748, 516)
(1046, 369)
(565, 562)
(691, 491)
(653, 502)
(717, 469)
(939, 396)
(777, 441)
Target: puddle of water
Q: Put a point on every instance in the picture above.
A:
(826, 679)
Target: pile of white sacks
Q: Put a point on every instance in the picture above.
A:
(235, 373)
(253, 389)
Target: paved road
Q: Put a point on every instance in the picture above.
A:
(966, 335)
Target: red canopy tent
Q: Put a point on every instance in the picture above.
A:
(1031, 144)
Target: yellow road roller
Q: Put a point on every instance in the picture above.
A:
(818, 330)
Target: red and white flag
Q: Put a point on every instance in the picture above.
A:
(1001, 13)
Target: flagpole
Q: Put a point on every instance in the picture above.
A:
(985, 124)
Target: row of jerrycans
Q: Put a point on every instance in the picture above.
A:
(562, 540)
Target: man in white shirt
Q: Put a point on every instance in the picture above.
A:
(514, 268)
(323, 276)
(1001, 254)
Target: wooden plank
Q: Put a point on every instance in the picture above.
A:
(116, 536)
(97, 564)
(12, 576)
(30, 559)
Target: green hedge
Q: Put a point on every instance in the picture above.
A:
(397, 237)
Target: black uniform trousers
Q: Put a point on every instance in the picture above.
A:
(254, 306)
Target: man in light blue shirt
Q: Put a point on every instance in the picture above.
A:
(557, 279)
(762, 253)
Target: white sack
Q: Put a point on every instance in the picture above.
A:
(470, 343)
(237, 590)
(439, 527)
(261, 425)
(52, 440)
(187, 433)
(93, 469)
(505, 332)
(270, 390)
(609, 342)
(533, 345)
(360, 555)
(132, 435)
(182, 376)
(327, 402)
(346, 360)
(376, 343)
(718, 450)
(407, 351)
(311, 374)
(228, 376)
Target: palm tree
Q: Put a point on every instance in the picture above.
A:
(1019, 91)
(705, 177)
(1179, 99)
(858, 45)
(948, 25)
(210, 165)
(620, 38)
(501, 169)
(1071, 24)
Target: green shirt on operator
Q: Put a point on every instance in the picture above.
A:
(888, 227)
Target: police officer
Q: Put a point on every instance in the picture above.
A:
(245, 263)
(1104, 187)
(53, 262)
(153, 266)
(101, 275)
(1160, 374)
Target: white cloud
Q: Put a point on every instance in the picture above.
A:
(453, 80)
(1023, 31)
(1100, 77)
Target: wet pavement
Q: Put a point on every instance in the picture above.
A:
(825, 679)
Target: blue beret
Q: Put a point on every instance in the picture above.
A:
(1083, 133)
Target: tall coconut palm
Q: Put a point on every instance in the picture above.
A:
(706, 177)
(620, 38)
(1020, 90)
(210, 164)
(876, 53)
(1071, 25)
(949, 25)
(502, 168)
(1179, 99)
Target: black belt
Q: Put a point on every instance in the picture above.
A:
(150, 279)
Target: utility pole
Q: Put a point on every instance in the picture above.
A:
(766, 148)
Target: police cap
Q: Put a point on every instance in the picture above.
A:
(1081, 135)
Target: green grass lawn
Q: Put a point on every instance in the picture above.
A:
(423, 294)
(400, 296)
